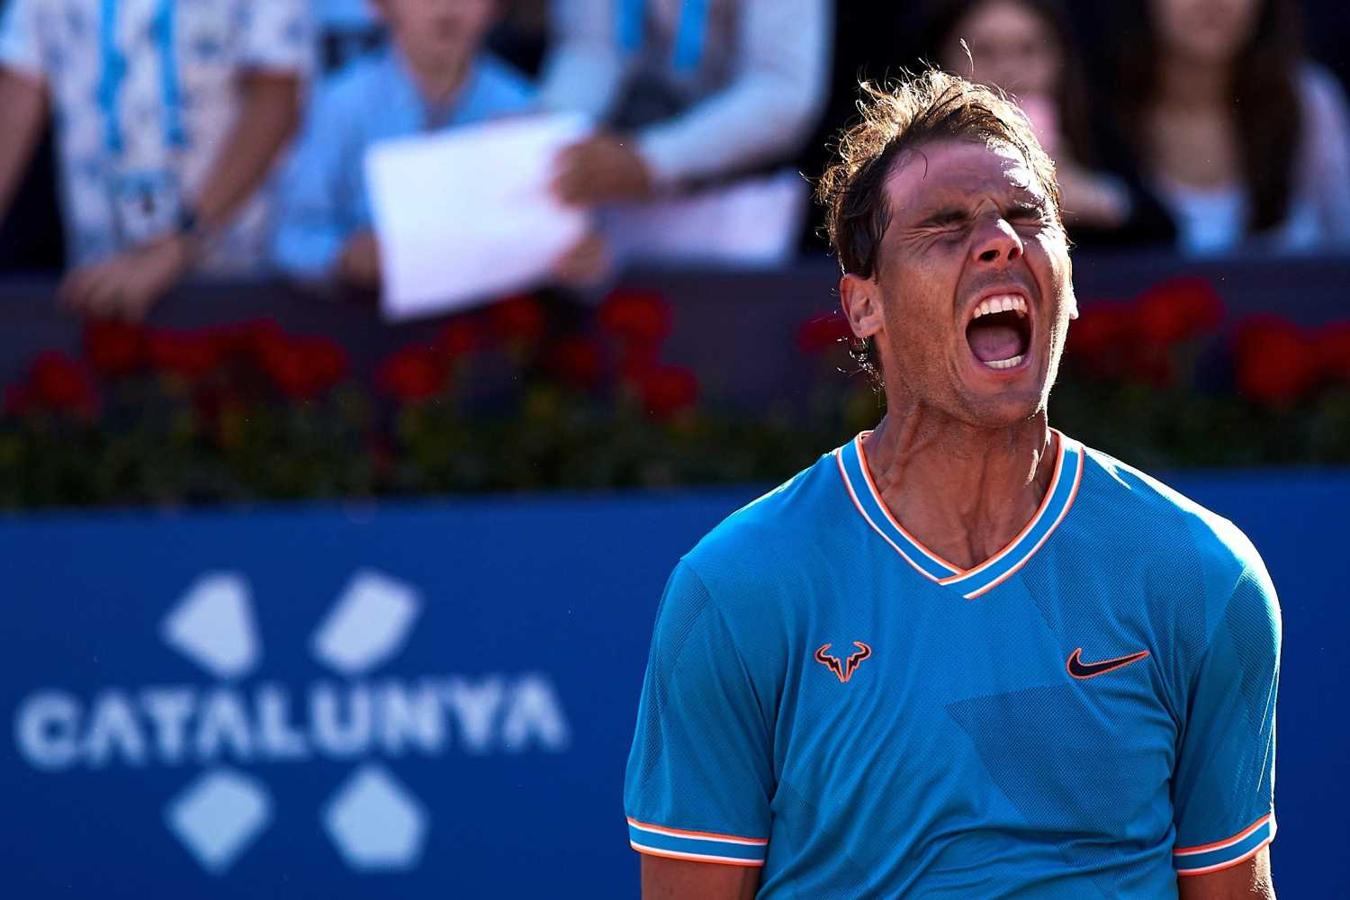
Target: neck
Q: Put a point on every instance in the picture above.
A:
(1189, 84)
(964, 492)
(438, 83)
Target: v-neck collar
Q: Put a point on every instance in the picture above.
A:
(970, 583)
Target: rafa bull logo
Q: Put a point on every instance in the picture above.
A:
(843, 671)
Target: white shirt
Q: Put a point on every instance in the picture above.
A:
(144, 95)
(1213, 220)
(755, 80)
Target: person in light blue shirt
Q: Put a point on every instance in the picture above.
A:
(433, 77)
(961, 656)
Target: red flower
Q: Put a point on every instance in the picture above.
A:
(189, 354)
(460, 337)
(634, 317)
(114, 348)
(1179, 310)
(636, 361)
(59, 383)
(820, 333)
(578, 361)
(1103, 335)
(1333, 350)
(326, 359)
(1107, 341)
(1275, 360)
(305, 367)
(249, 340)
(18, 400)
(517, 319)
(412, 374)
(667, 390)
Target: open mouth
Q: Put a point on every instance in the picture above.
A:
(999, 332)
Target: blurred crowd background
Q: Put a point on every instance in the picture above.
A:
(1208, 126)
(190, 316)
(161, 158)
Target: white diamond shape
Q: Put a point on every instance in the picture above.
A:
(375, 822)
(213, 625)
(369, 623)
(218, 816)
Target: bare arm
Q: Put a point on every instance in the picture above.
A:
(128, 284)
(23, 109)
(1248, 880)
(270, 114)
(678, 879)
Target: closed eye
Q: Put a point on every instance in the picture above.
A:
(946, 218)
(1025, 212)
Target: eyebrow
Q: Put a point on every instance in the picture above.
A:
(954, 215)
(947, 215)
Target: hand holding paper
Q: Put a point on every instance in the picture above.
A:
(468, 215)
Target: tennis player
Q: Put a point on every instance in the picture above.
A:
(962, 655)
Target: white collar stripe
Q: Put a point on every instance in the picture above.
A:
(840, 456)
(971, 583)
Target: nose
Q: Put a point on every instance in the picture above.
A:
(998, 243)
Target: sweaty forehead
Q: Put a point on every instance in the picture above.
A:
(958, 171)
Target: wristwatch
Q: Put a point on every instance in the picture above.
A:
(187, 225)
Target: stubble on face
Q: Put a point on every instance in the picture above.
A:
(967, 219)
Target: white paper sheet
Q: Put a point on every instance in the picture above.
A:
(468, 216)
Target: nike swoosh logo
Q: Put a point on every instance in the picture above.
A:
(1079, 669)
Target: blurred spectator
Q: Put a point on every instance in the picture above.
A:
(1027, 49)
(169, 115)
(689, 92)
(435, 76)
(1235, 131)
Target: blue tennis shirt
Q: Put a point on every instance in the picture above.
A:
(1086, 714)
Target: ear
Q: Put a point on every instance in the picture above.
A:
(1072, 299)
(861, 300)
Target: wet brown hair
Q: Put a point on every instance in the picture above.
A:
(919, 109)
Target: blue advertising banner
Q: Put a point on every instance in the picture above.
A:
(436, 699)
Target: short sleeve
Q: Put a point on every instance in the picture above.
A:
(278, 35)
(20, 48)
(1224, 784)
(699, 776)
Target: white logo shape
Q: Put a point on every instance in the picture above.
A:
(219, 816)
(213, 626)
(375, 822)
(369, 623)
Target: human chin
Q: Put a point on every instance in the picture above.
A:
(1004, 409)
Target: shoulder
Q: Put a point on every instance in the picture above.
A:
(1128, 500)
(758, 553)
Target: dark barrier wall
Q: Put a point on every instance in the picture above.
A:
(436, 700)
(736, 328)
